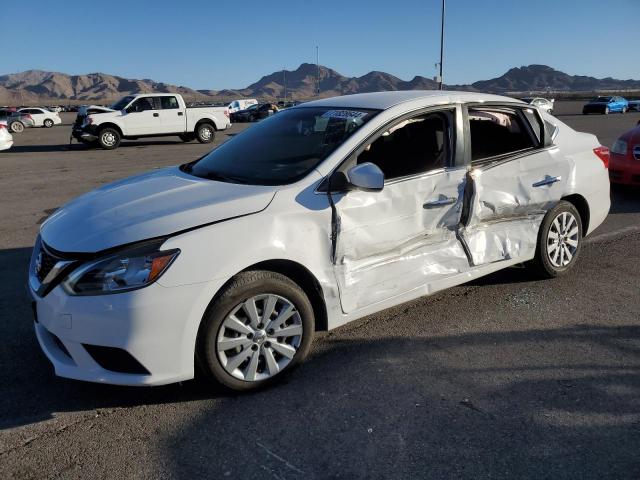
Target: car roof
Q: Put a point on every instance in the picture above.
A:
(385, 100)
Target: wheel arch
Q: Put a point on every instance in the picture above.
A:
(115, 126)
(208, 120)
(305, 279)
(582, 206)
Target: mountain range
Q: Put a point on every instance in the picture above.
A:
(37, 86)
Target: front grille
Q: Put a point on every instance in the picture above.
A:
(115, 359)
(46, 262)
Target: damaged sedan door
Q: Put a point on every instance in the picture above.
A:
(516, 176)
(402, 237)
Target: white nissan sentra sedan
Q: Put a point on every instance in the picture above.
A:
(315, 217)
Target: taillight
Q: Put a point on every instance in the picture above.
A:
(603, 154)
(226, 113)
(89, 120)
(2, 125)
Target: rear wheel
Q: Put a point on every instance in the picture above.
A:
(16, 127)
(48, 123)
(258, 328)
(205, 133)
(109, 138)
(559, 241)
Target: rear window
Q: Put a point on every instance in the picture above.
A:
(497, 132)
(168, 103)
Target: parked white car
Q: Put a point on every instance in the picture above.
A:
(243, 104)
(540, 103)
(6, 139)
(317, 216)
(42, 117)
(149, 115)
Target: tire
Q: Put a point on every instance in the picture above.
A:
(624, 110)
(606, 111)
(109, 138)
(16, 126)
(551, 256)
(187, 137)
(550, 112)
(205, 133)
(48, 123)
(251, 343)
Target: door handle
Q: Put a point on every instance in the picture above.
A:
(156, 114)
(440, 202)
(547, 181)
(180, 114)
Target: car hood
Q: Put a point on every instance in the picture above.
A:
(147, 206)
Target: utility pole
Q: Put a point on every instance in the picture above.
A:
(442, 45)
(284, 77)
(318, 72)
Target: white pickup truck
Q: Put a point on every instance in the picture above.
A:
(148, 115)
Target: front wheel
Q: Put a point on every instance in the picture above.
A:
(258, 328)
(109, 138)
(48, 123)
(205, 133)
(559, 241)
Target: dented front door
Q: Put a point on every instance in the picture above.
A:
(399, 239)
(506, 203)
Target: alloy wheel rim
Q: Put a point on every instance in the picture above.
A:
(205, 133)
(259, 337)
(109, 139)
(18, 127)
(562, 239)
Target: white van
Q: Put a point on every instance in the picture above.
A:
(238, 105)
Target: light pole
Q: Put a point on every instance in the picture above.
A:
(284, 78)
(442, 44)
(318, 71)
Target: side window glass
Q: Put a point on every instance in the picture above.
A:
(142, 104)
(413, 146)
(496, 132)
(168, 103)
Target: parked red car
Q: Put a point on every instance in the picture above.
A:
(624, 164)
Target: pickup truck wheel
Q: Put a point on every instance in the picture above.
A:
(187, 137)
(48, 123)
(205, 133)
(559, 241)
(16, 127)
(109, 138)
(259, 327)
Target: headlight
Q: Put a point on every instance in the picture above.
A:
(620, 147)
(121, 272)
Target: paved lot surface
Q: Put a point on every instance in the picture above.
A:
(507, 377)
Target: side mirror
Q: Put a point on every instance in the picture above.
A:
(367, 177)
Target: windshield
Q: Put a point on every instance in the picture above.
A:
(281, 149)
(602, 99)
(123, 102)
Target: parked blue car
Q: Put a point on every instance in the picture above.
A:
(606, 105)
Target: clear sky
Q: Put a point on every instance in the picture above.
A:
(210, 44)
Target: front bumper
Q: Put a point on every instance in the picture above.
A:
(156, 326)
(84, 134)
(624, 169)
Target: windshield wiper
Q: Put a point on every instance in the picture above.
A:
(224, 178)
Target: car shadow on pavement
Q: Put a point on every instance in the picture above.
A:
(625, 199)
(439, 407)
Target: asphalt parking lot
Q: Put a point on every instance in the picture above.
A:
(506, 377)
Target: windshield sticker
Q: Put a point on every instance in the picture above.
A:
(347, 114)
